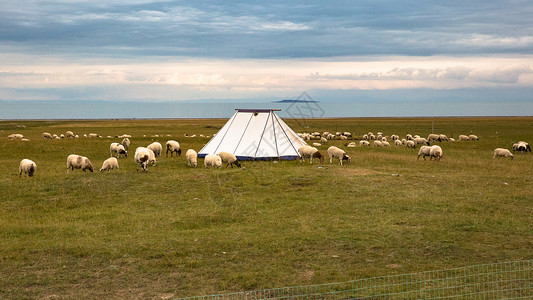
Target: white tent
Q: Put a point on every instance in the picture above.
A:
(255, 134)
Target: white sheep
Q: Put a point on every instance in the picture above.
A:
(69, 134)
(229, 159)
(364, 143)
(397, 142)
(522, 147)
(385, 144)
(212, 160)
(463, 137)
(338, 154)
(365, 136)
(500, 152)
(424, 151)
(117, 149)
(93, 135)
(473, 137)
(47, 135)
(317, 144)
(410, 144)
(173, 146)
(443, 138)
(378, 143)
(310, 152)
(126, 143)
(451, 139)
(109, 164)
(435, 152)
(75, 161)
(420, 140)
(323, 140)
(156, 148)
(15, 136)
(192, 158)
(142, 157)
(350, 145)
(28, 167)
(408, 137)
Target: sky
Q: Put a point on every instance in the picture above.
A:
(145, 50)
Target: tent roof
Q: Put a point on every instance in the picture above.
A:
(252, 134)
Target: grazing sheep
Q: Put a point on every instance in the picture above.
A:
(347, 134)
(15, 136)
(93, 135)
(451, 139)
(397, 142)
(229, 159)
(424, 151)
(408, 137)
(323, 140)
(317, 144)
(435, 152)
(420, 140)
(371, 136)
(343, 137)
(142, 157)
(116, 148)
(338, 154)
(443, 138)
(351, 145)
(212, 160)
(69, 135)
(126, 143)
(156, 147)
(364, 143)
(500, 152)
(522, 147)
(109, 164)
(76, 136)
(310, 152)
(385, 144)
(75, 161)
(365, 136)
(28, 167)
(378, 143)
(463, 137)
(473, 137)
(47, 135)
(395, 137)
(62, 136)
(410, 144)
(192, 158)
(433, 138)
(173, 146)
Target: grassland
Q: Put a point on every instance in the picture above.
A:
(177, 231)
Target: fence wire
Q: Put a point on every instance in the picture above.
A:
(508, 280)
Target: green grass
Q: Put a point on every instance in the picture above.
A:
(183, 231)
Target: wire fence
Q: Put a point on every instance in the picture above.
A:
(508, 280)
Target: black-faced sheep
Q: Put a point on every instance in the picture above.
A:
(337, 153)
(310, 152)
(117, 149)
(173, 146)
(229, 159)
(28, 167)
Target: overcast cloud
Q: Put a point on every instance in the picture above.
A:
(178, 50)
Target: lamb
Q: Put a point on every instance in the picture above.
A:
(173, 146)
(311, 152)
(338, 154)
(117, 149)
(27, 166)
(192, 158)
(463, 137)
(126, 143)
(69, 135)
(424, 151)
(229, 159)
(156, 148)
(142, 157)
(75, 161)
(109, 164)
(473, 137)
(500, 152)
(364, 143)
(435, 152)
(212, 160)
(47, 135)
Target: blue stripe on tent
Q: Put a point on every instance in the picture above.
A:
(286, 157)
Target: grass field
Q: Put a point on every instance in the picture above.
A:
(177, 231)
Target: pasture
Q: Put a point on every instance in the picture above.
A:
(177, 231)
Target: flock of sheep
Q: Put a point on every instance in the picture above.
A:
(149, 154)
